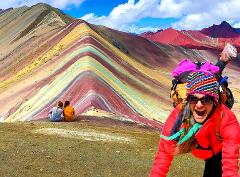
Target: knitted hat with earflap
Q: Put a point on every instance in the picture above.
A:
(203, 83)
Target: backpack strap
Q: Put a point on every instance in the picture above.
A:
(198, 64)
(218, 121)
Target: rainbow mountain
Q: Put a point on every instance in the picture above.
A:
(47, 56)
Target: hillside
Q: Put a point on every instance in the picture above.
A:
(223, 30)
(47, 56)
(213, 37)
(94, 148)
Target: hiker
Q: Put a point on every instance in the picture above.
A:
(68, 112)
(202, 126)
(226, 94)
(56, 113)
(178, 90)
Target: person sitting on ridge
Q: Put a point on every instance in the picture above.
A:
(56, 113)
(68, 112)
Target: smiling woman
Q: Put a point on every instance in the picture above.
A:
(202, 126)
(202, 95)
(200, 106)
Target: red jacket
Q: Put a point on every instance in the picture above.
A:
(207, 138)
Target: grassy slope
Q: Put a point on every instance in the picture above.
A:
(24, 153)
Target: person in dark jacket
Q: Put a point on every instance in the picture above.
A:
(202, 126)
(226, 94)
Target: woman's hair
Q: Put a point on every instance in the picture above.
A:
(185, 126)
(66, 104)
(183, 130)
(60, 104)
(186, 122)
(198, 82)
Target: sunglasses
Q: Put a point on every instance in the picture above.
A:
(206, 100)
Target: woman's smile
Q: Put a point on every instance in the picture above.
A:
(200, 109)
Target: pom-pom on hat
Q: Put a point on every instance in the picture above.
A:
(203, 83)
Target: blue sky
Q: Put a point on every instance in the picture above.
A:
(138, 16)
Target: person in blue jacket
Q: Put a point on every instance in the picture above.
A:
(56, 113)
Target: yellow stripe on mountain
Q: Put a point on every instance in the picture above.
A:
(149, 72)
(74, 35)
(143, 104)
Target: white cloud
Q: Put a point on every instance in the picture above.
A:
(189, 14)
(124, 15)
(131, 12)
(138, 30)
(194, 21)
(89, 17)
(220, 11)
(171, 8)
(92, 18)
(236, 25)
(62, 4)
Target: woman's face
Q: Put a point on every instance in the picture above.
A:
(201, 106)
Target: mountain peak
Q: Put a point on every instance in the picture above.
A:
(170, 29)
(223, 30)
(36, 17)
(42, 4)
(224, 23)
(5, 10)
(66, 18)
(159, 30)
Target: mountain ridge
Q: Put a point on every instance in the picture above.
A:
(214, 36)
(91, 66)
(223, 30)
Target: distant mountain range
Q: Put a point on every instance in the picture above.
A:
(223, 30)
(46, 56)
(212, 37)
(5, 10)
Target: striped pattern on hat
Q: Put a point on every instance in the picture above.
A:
(203, 83)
